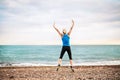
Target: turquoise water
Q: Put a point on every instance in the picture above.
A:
(49, 54)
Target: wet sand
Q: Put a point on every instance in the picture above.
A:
(64, 73)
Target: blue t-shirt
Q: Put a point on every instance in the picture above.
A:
(66, 40)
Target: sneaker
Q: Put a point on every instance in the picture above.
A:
(58, 67)
(72, 69)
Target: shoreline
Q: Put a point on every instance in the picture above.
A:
(56, 65)
(106, 72)
(97, 63)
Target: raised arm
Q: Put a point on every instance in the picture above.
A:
(71, 28)
(57, 30)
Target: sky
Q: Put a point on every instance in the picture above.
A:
(30, 22)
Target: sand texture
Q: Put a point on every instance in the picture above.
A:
(64, 73)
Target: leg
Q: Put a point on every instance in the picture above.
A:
(60, 58)
(71, 62)
(70, 57)
(59, 62)
(61, 55)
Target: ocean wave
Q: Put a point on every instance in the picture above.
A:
(115, 62)
(101, 63)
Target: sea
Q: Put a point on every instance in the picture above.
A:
(48, 55)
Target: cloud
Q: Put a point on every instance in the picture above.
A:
(94, 20)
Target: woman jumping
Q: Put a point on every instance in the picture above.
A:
(66, 45)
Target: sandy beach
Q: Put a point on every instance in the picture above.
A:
(49, 73)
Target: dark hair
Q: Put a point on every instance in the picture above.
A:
(64, 33)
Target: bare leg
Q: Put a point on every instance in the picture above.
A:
(71, 63)
(59, 63)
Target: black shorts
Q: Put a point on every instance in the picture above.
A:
(64, 49)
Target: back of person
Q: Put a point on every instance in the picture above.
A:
(66, 40)
(66, 45)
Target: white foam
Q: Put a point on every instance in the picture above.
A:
(116, 62)
(99, 63)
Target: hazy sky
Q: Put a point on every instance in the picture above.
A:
(30, 21)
